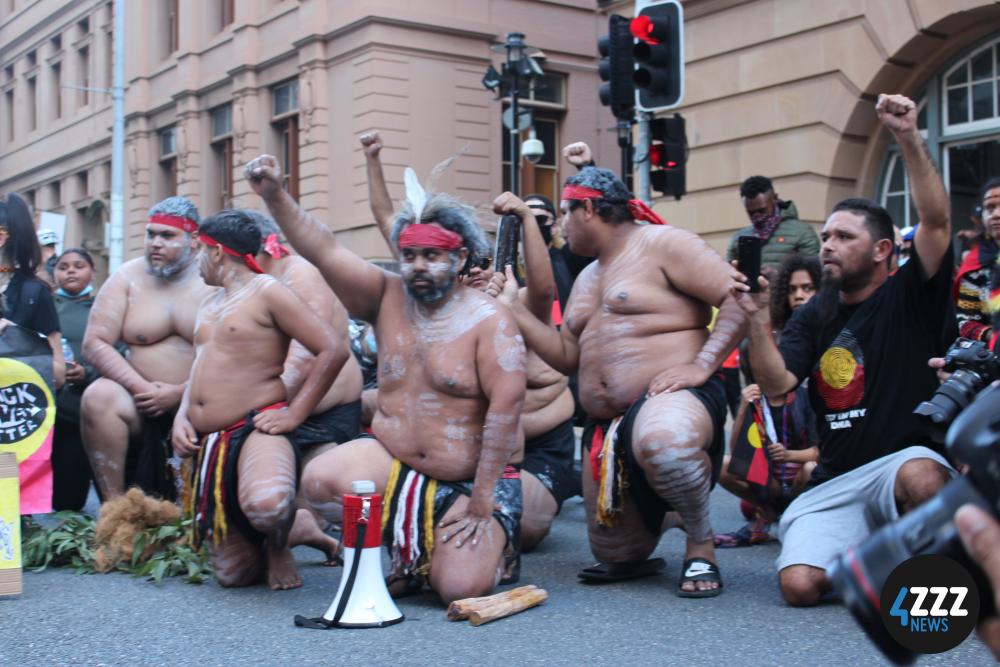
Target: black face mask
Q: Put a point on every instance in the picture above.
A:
(546, 231)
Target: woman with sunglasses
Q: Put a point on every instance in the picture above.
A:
(24, 299)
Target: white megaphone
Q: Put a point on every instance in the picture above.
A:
(362, 601)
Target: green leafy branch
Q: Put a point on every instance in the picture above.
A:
(157, 552)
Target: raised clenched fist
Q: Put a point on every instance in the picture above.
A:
(578, 154)
(372, 144)
(264, 174)
(897, 112)
(508, 202)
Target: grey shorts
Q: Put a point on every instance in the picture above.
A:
(841, 512)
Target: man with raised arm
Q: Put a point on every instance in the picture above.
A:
(149, 304)
(864, 341)
(636, 327)
(236, 416)
(337, 417)
(451, 387)
(547, 474)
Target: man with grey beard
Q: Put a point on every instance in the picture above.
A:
(149, 304)
(451, 386)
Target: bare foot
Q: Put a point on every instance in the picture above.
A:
(306, 530)
(282, 573)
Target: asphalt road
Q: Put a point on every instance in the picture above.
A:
(114, 619)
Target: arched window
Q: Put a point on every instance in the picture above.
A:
(959, 116)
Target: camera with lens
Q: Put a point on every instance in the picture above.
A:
(972, 366)
(859, 574)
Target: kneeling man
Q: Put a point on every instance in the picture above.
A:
(234, 416)
(451, 386)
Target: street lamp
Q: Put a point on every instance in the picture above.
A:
(520, 66)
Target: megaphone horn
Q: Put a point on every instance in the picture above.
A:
(362, 601)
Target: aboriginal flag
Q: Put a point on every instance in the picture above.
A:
(749, 456)
(28, 413)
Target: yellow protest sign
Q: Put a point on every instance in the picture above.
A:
(10, 526)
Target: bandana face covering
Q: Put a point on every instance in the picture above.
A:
(764, 224)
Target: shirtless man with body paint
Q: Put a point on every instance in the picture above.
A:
(337, 417)
(636, 328)
(234, 411)
(451, 386)
(546, 418)
(150, 304)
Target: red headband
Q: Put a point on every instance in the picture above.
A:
(636, 207)
(429, 236)
(273, 247)
(247, 258)
(184, 224)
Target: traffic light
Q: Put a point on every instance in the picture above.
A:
(616, 68)
(668, 155)
(658, 28)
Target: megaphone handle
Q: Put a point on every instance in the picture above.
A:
(359, 543)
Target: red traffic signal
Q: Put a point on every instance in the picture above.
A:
(659, 54)
(668, 155)
(651, 30)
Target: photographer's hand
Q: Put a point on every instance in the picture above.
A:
(937, 363)
(980, 534)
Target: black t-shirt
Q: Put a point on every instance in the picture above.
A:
(28, 302)
(868, 367)
(566, 266)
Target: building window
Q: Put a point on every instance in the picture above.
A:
(896, 193)
(55, 194)
(227, 10)
(32, 105)
(222, 149)
(541, 177)
(288, 153)
(29, 196)
(83, 67)
(56, 42)
(971, 89)
(959, 115)
(83, 27)
(168, 163)
(8, 107)
(56, 90)
(82, 184)
(545, 98)
(168, 143)
(109, 59)
(286, 98)
(171, 23)
(32, 58)
(285, 104)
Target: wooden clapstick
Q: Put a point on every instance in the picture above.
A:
(459, 610)
(509, 607)
(489, 608)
